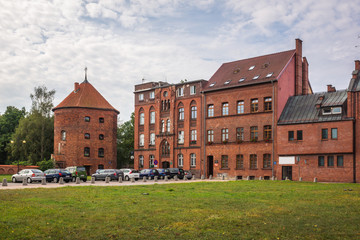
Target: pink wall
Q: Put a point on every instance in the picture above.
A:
(286, 86)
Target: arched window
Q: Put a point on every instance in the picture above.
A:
(152, 115)
(193, 110)
(141, 116)
(101, 152)
(165, 149)
(87, 135)
(181, 112)
(63, 135)
(162, 126)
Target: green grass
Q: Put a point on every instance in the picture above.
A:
(8, 177)
(201, 210)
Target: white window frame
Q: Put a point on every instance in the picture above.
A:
(193, 160)
(180, 92)
(193, 135)
(193, 110)
(192, 90)
(142, 119)
(141, 140)
(141, 97)
(141, 161)
(181, 113)
(152, 139)
(152, 117)
(181, 137)
(152, 95)
(180, 160)
(168, 125)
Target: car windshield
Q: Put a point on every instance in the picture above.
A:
(36, 171)
(65, 171)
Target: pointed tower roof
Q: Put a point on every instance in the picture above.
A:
(85, 96)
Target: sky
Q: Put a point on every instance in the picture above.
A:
(122, 42)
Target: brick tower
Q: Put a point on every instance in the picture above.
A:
(85, 127)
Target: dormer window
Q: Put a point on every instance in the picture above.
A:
(251, 68)
(241, 79)
(256, 77)
(269, 74)
(213, 84)
(227, 82)
(332, 110)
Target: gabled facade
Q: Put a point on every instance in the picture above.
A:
(85, 126)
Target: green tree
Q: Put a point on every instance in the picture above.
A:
(125, 143)
(8, 123)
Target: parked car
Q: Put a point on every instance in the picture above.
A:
(77, 172)
(31, 175)
(130, 173)
(176, 172)
(188, 174)
(113, 174)
(163, 172)
(149, 173)
(54, 175)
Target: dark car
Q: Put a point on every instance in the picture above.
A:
(188, 174)
(149, 173)
(163, 172)
(54, 175)
(113, 174)
(176, 172)
(77, 172)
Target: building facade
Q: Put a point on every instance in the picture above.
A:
(85, 127)
(256, 118)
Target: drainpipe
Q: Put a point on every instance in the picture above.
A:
(273, 130)
(204, 131)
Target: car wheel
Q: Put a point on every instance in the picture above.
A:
(95, 179)
(84, 180)
(13, 180)
(29, 180)
(127, 178)
(55, 180)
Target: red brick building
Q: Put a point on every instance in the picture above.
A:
(85, 127)
(255, 118)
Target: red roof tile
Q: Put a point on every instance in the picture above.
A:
(234, 71)
(85, 97)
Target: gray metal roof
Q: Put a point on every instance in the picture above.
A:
(302, 109)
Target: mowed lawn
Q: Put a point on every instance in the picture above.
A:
(200, 210)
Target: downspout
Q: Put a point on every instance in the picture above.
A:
(273, 130)
(204, 135)
(354, 135)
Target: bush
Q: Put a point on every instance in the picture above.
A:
(22, 163)
(46, 164)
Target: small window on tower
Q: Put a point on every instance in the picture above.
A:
(101, 136)
(101, 120)
(87, 135)
(87, 119)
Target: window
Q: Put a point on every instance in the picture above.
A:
(101, 136)
(141, 97)
(141, 140)
(181, 137)
(240, 107)
(152, 95)
(87, 119)
(193, 136)
(193, 112)
(253, 161)
(141, 161)
(180, 160)
(100, 166)
(267, 161)
(299, 135)
(330, 161)
(291, 135)
(254, 133)
(241, 79)
(224, 161)
(87, 135)
(269, 74)
(192, 90)
(267, 104)
(340, 161)
(225, 109)
(227, 82)
(152, 139)
(332, 110)
(151, 161)
(180, 92)
(251, 68)
(324, 134)
(239, 134)
(181, 114)
(254, 105)
(210, 136)
(239, 161)
(63, 135)
(256, 77)
(267, 132)
(165, 94)
(165, 149)
(321, 161)
(224, 135)
(142, 119)
(152, 117)
(101, 120)
(193, 160)
(334, 133)
(101, 152)
(168, 125)
(87, 152)
(210, 110)
(212, 84)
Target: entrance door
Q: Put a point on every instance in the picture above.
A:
(88, 170)
(210, 166)
(287, 172)
(165, 164)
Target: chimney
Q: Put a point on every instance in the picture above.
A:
(76, 87)
(319, 101)
(357, 69)
(330, 88)
(298, 67)
(305, 76)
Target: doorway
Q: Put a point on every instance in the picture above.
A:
(210, 166)
(287, 172)
(165, 164)
(88, 170)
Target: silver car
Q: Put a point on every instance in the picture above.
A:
(29, 174)
(130, 173)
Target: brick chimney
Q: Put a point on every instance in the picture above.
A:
(330, 88)
(305, 76)
(357, 69)
(76, 87)
(298, 67)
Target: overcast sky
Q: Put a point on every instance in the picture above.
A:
(122, 41)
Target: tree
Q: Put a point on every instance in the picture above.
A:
(8, 123)
(125, 143)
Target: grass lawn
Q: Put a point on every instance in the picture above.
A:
(200, 210)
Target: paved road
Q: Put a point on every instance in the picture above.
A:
(97, 183)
